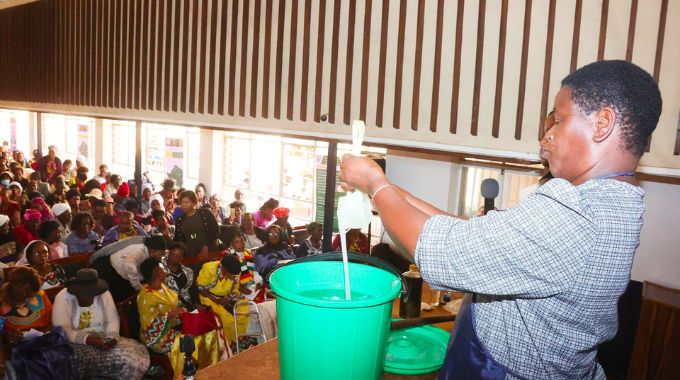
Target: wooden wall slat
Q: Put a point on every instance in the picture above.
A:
(400, 65)
(577, 35)
(526, 33)
(232, 68)
(366, 50)
(244, 58)
(333, 83)
(460, 14)
(194, 54)
(319, 61)
(500, 67)
(255, 61)
(183, 89)
(415, 100)
(603, 29)
(384, 25)
(202, 56)
(305, 60)
(151, 58)
(278, 70)
(266, 58)
(349, 59)
(478, 67)
(548, 65)
(222, 56)
(436, 74)
(292, 46)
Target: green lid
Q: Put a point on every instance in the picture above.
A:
(416, 350)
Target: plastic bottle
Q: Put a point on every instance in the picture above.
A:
(410, 308)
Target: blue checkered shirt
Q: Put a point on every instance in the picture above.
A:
(546, 274)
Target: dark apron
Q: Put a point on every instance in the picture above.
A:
(466, 358)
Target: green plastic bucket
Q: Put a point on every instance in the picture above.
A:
(324, 336)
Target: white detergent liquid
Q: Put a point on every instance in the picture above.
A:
(354, 209)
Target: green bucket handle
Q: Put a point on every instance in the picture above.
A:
(353, 257)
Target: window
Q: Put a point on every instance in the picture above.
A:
(512, 185)
(290, 170)
(171, 151)
(119, 148)
(72, 135)
(15, 130)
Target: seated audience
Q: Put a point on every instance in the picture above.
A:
(73, 200)
(168, 190)
(49, 166)
(121, 197)
(50, 233)
(37, 257)
(114, 183)
(104, 218)
(38, 204)
(217, 209)
(28, 230)
(8, 244)
(196, 227)
(311, 245)
(201, 191)
(161, 225)
(24, 305)
(273, 251)
(356, 241)
(127, 227)
(82, 238)
(86, 312)
(264, 216)
(235, 213)
(59, 192)
(253, 235)
(103, 174)
(159, 310)
(62, 214)
(36, 184)
(179, 277)
(121, 268)
(147, 190)
(251, 281)
(18, 173)
(238, 197)
(218, 287)
(282, 214)
(67, 171)
(9, 207)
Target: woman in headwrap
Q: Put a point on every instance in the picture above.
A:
(8, 246)
(37, 256)
(282, 214)
(38, 203)
(28, 230)
(62, 214)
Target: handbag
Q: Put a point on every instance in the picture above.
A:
(199, 322)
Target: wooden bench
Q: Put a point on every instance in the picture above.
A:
(81, 260)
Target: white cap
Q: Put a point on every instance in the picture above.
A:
(17, 184)
(94, 193)
(3, 219)
(60, 208)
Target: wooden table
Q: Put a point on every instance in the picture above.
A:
(262, 362)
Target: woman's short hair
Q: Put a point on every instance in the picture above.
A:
(188, 194)
(271, 203)
(30, 249)
(47, 227)
(178, 245)
(80, 218)
(19, 277)
(147, 267)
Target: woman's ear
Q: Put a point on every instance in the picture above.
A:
(605, 120)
